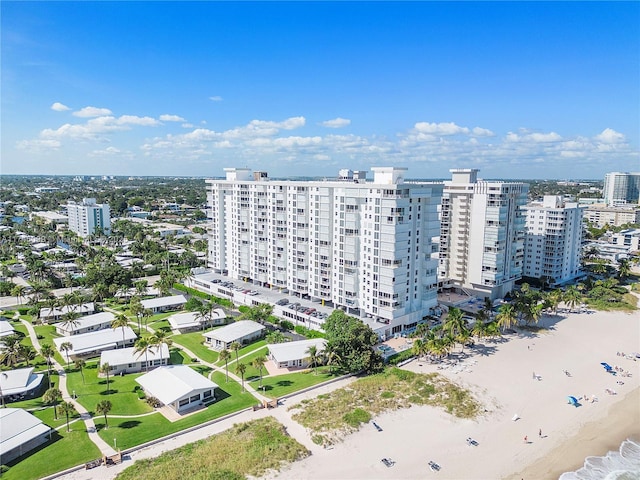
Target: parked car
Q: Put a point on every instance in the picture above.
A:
(254, 293)
(282, 301)
(309, 311)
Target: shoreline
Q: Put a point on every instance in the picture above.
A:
(593, 439)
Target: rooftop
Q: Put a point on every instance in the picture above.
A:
(234, 331)
(18, 427)
(173, 382)
(89, 342)
(288, 351)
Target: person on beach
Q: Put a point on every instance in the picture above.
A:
(540, 433)
(526, 440)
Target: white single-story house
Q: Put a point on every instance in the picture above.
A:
(190, 321)
(178, 386)
(127, 360)
(93, 343)
(242, 332)
(294, 354)
(58, 312)
(90, 323)
(19, 383)
(21, 433)
(6, 328)
(165, 304)
(149, 292)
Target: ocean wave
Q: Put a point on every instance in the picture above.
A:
(621, 465)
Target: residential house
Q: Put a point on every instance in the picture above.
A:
(294, 354)
(128, 360)
(243, 332)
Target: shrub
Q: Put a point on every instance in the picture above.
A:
(357, 417)
(287, 325)
(154, 402)
(396, 358)
(243, 308)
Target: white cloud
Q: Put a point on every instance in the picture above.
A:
(482, 132)
(187, 125)
(336, 123)
(609, 135)
(109, 151)
(59, 107)
(171, 118)
(88, 112)
(38, 145)
(216, 98)
(135, 120)
(449, 128)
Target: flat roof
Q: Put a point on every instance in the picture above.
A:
(18, 427)
(87, 342)
(234, 331)
(88, 321)
(125, 356)
(173, 382)
(84, 308)
(19, 380)
(164, 301)
(288, 351)
(186, 319)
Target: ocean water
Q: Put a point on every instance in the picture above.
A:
(621, 465)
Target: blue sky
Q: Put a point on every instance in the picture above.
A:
(519, 90)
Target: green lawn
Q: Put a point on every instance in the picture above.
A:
(46, 334)
(124, 401)
(160, 325)
(178, 357)
(66, 450)
(280, 385)
(134, 431)
(194, 341)
(251, 370)
(39, 362)
(243, 351)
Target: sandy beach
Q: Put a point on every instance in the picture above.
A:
(501, 374)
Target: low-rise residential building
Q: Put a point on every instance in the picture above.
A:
(243, 332)
(6, 328)
(128, 360)
(57, 312)
(21, 433)
(294, 354)
(601, 215)
(629, 238)
(178, 386)
(165, 304)
(20, 383)
(94, 343)
(90, 323)
(191, 321)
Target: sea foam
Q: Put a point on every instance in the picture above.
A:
(621, 465)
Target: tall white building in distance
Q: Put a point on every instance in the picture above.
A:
(621, 188)
(359, 245)
(86, 217)
(482, 234)
(553, 240)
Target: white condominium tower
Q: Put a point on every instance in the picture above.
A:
(621, 188)
(553, 240)
(482, 234)
(361, 246)
(86, 217)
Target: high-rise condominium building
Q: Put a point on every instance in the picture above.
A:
(359, 245)
(621, 188)
(86, 217)
(482, 234)
(553, 240)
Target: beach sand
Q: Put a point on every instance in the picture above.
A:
(501, 375)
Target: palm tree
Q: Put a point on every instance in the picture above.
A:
(555, 297)
(136, 308)
(10, 355)
(65, 347)
(454, 323)
(27, 353)
(276, 337)
(332, 358)
(142, 346)
(624, 268)
(52, 396)
(572, 296)
(70, 320)
(258, 363)
(4, 376)
(103, 407)
(80, 364)
(479, 329)
(224, 356)
(67, 409)
(506, 316)
(120, 321)
(235, 346)
(47, 352)
(241, 368)
(418, 347)
(312, 351)
(106, 368)
(18, 291)
(205, 313)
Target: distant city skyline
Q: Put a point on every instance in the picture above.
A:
(518, 90)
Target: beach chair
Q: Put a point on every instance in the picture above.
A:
(434, 466)
(388, 462)
(471, 442)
